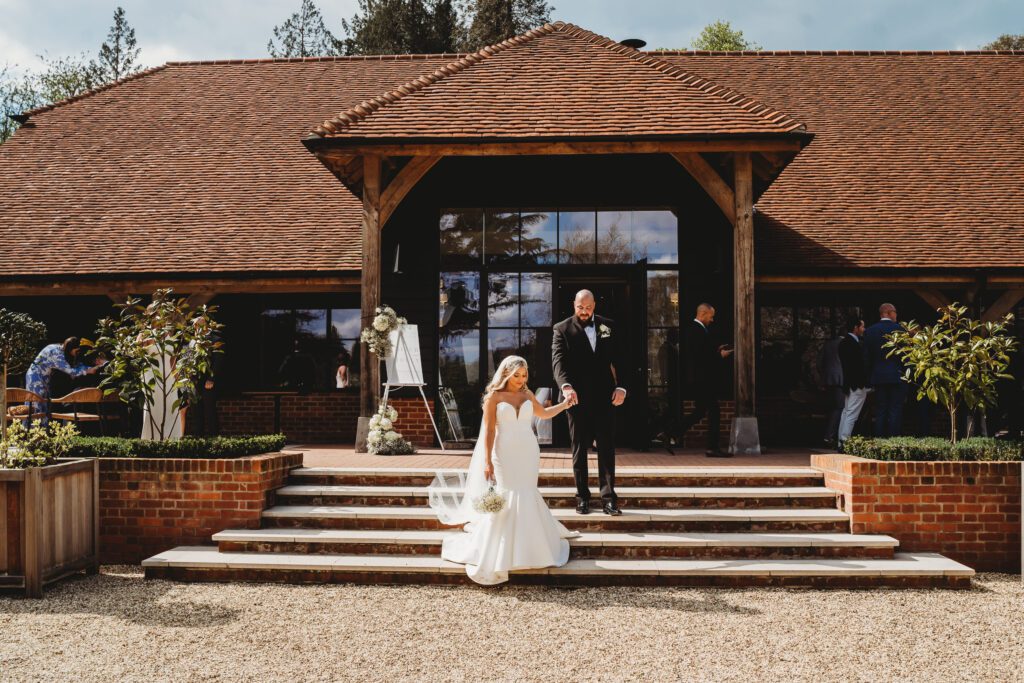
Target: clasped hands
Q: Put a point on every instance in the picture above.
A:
(618, 396)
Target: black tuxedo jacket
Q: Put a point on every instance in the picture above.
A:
(588, 370)
(703, 360)
(851, 355)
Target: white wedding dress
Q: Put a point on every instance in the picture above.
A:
(525, 535)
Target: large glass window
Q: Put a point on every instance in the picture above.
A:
(310, 349)
(576, 237)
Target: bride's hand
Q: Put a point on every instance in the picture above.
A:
(489, 471)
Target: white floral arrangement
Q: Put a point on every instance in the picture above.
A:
(382, 438)
(491, 502)
(377, 335)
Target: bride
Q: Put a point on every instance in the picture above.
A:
(524, 535)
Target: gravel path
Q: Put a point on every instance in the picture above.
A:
(116, 626)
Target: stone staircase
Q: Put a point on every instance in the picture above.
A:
(731, 526)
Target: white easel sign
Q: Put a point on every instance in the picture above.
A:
(403, 365)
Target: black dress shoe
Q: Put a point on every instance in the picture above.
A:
(583, 507)
(715, 453)
(611, 509)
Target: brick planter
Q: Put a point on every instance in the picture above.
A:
(968, 511)
(148, 505)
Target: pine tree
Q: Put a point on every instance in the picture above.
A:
(119, 52)
(497, 20)
(447, 28)
(304, 34)
(403, 27)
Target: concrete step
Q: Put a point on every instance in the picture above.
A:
(913, 570)
(624, 476)
(632, 519)
(587, 545)
(565, 496)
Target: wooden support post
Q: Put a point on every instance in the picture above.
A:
(370, 281)
(933, 297)
(744, 439)
(32, 538)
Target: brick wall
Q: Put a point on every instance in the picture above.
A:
(414, 421)
(148, 505)
(969, 511)
(697, 435)
(320, 417)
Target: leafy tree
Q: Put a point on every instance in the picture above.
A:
(1007, 41)
(20, 338)
(119, 52)
(65, 77)
(403, 27)
(17, 94)
(956, 361)
(304, 34)
(156, 351)
(496, 20)
(720, 35)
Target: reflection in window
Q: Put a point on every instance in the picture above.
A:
(462, 234)
(655, 236)
(576, 236)
(503, 299)
(614, 237)
(500, 343)
(344, 331)
(814, 322)
(662, 298)
(535, 298)
(459, 369)
(501, 236)
(299, 349)
(460, 300)
(539, 237)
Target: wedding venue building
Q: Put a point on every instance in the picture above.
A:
(476, 193)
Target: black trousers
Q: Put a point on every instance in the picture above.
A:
(705, 403)
(584, 428)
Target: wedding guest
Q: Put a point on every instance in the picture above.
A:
(855, 390)
(885, 374)
(835, 395)
(68, 358)
(341, 375)
(703, 370)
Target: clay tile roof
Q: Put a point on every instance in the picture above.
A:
(558, 80)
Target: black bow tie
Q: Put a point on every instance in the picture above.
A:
(589, 323)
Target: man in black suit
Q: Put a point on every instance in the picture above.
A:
(703, 372)
(584, 351)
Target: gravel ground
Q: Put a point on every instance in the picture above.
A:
(116, 626)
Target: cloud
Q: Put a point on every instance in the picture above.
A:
(15, 54)
(159, 53)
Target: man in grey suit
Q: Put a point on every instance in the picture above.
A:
(835, 397)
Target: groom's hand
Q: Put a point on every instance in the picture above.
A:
(570, 394)
(618, 397)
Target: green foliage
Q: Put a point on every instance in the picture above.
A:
(933, 448)
(496, 20)
(35, 446)
(1007, 41)
(20, 339)
(304, 34)
(156, 351)
(720, 35)
(188, 447)
(956, 361)
(403, 27)
(119, 52)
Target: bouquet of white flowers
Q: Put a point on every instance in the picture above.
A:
(490, 502)
(382, 438)
(377, 334)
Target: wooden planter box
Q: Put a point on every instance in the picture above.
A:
(49, 523)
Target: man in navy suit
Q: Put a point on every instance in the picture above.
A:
(885, 374)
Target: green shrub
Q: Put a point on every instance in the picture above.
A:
(932, 448)
(35, 445)
(188, 447)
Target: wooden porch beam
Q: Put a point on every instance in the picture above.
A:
(1003, 305)
(370, 281)
(743, 278)
(933, 297)
(557, 147)
(398, 188)
(708, 178)
(118, 290)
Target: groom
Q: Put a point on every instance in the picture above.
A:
(583, 352)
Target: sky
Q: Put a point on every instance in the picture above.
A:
(232, 29)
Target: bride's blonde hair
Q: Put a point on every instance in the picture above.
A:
(509, 366)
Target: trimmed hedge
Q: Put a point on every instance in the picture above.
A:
(188, 447)
(932, 448)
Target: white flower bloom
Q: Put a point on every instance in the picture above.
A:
(381, 324)
(385, 424)
(392, 413)
(374, 435)
(375, 421)
(392, 436)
